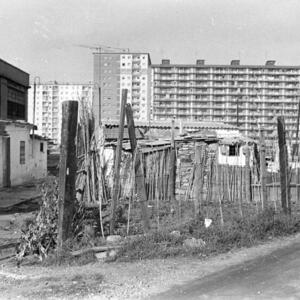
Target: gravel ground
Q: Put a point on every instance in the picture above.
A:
(134, 280)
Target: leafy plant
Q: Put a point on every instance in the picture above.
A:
(40, 236)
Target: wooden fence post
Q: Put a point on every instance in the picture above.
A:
(247, 175)
(67, 171)
(116, 184)
(197, 180)
(172, 170)
(283, 161)
(263, 171)
(139, 174)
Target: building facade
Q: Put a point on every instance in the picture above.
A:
(247, 96)
(23, 156)
(46, 114)
(14, 84)
(116, 71)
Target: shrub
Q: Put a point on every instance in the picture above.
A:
(238, 232)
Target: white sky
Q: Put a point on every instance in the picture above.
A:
(39, 36)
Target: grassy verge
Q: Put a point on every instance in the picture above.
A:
(238, 232)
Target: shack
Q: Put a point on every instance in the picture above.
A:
(23, 155)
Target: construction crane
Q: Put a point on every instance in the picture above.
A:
(102, 48)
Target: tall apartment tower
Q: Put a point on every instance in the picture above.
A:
(48, 105)
(248, 96)
(116, 71)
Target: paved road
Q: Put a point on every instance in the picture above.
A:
(275, 276)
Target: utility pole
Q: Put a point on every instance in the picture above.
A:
(67, 171)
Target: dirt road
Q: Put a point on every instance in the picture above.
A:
(247, 272)
(272, 276)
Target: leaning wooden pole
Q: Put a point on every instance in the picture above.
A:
(139, 174)
(283, 163)
(116, 183)
(263, 171)
(247, 174)
(172, 170)
(67, 172)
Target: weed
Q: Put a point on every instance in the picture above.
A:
(236, 233)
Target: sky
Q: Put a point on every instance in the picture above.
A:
(42, 36)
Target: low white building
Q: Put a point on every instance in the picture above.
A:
(23, 158)
(232, 151)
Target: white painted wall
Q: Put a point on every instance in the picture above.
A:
(224, 159)
(35, 166)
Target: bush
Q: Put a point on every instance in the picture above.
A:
(237, 233)
(156, 244)
(39, 236)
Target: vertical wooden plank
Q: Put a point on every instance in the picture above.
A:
(240, 187)
(220, 193)
(172, 166)
(197, 180)
(116, 184)
(139, 173)
(263, 171)
(67, 171)
(247, 175)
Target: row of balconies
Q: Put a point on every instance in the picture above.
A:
(226, 75)
(192, 84)
(192, 70)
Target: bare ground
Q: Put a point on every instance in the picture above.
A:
(135, 280)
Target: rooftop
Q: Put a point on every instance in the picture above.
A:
(17, 123)
(13, 73)
(178, 125)
(234, 64)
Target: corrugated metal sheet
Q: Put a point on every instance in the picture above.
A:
(167, 125)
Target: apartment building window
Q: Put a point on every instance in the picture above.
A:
(22, 152)
(41, 147)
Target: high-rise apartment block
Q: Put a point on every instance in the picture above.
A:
(116, 71)
(248, 96)
(47, 112)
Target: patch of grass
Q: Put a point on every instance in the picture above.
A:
(67, 259)
(157, 244)
(236, 233)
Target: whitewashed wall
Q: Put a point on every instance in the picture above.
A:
(35, 166)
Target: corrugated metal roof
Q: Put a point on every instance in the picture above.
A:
(178, 124)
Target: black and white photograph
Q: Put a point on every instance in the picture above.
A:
(149, 149)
